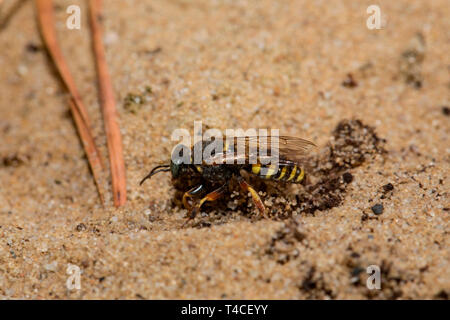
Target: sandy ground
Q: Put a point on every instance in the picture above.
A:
(233, 64)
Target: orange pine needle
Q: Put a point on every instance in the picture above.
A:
(114, 139)
(79, 113)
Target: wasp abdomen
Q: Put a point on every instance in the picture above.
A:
(285, 173)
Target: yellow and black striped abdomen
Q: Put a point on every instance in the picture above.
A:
(285, 173)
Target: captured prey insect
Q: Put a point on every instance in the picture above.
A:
(218, 169)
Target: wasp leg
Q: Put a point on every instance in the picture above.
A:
(190, 194)
(212, 196)
(256, 199)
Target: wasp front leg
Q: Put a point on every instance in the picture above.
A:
(256, 199)
(190, 194)
(212, 196)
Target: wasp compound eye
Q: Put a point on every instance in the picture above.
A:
(175, 169)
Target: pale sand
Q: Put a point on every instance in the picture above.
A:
(232, 64)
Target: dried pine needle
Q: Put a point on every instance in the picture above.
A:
(79, 113)
(114, 139)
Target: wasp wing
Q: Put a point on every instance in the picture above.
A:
(262, 150)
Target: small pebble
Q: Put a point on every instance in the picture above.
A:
(349, 82)
(51, 266)
(81, 227)
(110, 38)
(32, 47)
(356, 271)
(446, 110)
(22, 69)
(388, 187)
(348, 177)
(377, 209)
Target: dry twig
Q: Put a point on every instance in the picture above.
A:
(108, 103)
(79, 113)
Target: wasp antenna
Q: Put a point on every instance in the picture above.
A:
(155, 171)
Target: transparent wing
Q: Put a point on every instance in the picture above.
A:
(284, 149)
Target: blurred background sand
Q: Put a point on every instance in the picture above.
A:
(231, 64)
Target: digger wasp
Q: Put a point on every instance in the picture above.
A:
(280, 161)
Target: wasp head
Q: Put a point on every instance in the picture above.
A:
(177, 166)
